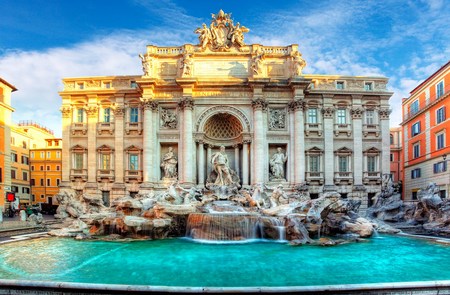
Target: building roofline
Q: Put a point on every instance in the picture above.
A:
(8, 84)
(430, 77)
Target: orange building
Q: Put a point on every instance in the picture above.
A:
(5, 137)
(426, 128)
(396, 157)
(46, 169)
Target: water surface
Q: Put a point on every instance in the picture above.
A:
(181, 262)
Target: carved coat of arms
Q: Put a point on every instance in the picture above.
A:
(222, 34)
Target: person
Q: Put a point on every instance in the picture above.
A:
(257, 61)
(299, 63)
(237, 35)
(169, 164)
(277, 164)
(220, 164)
(205, 36)
(186, 64)
(146, 65)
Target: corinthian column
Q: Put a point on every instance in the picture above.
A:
(201, 163)
(259, 106)
(66, 111)
(187, 137)
(328, 113)
(385, 140)
(92, 113)
(147, 140)
(119, 168)
(299, 141)
(357, 113)
(245, 162)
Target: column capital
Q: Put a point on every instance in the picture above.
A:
(66, 111)
(259, 104)
(357, 112)
(384, 113)
(118, 110)
(296, 105)
(91, 111)
(328, 112)
(186, 103)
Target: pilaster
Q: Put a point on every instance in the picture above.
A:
(66, 111)
(357, 113)
(385, 140)
(92, 114)
(328, 117)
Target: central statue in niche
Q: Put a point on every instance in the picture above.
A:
(222, 179)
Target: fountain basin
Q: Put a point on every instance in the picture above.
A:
(182, 263)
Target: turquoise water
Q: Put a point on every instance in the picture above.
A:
(181, 262)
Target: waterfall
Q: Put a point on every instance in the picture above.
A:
(222, 226)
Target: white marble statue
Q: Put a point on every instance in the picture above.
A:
(146, 65)
(277, 165)
(169, 164)
(186, 65)
(221, 166)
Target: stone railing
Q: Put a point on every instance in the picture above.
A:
(371, 129)
(105, 127)
(79, 127)
(105, 174)
(343, 128)
(133, 126)
(78, 173)
(371, 177)
(343, 177)
(315, 177)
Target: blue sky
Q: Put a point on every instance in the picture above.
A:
(43, 41)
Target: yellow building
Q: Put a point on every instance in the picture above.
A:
(20, 163)
(46, 171)
(5, 137)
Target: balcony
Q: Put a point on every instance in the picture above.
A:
(371, 129)
(425, 104)
(343, 178)
(79, 128)
(132, 127)
(105, 174)
(133, 175)
(78, 174)
(372, 177)
(313, 128)
(315, 178)
(343, 128)
(105, 127)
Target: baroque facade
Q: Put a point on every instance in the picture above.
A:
(124, 134)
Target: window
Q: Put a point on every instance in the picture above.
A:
(32, 155)
(57, 168)
(48, 168)
(32, 167)
(391, 139)
(392, 157)
(340, 85)
(58, 155)
(107, 85)
(314, 164)
(1, 174)
(24, 144)
(24, 175)
(105, 161)
(312, 116)
(440, 167)
(134, 115)
(415, 129)
(107, 115)
(80, 115)
(440, 115)
(42, 182)
(133, 84)
(370, 117)
(49, 155)
(48, 182)
(25, 160)
(42, 168)
(25, 190)
(78, 161)
(371, 163)
(42, 155)
(439, 89)
(341, 116)
(49, 143)
(14, 157)
(32, 181)
(368, 86)
(133, 162)
(13, 174)
(80, 85)
(58, 181)
(416, 150)
(343, 164)
(414, 195)
(414, 107)
(440, 141)
(415, 173)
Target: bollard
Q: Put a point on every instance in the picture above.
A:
(23, 215)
